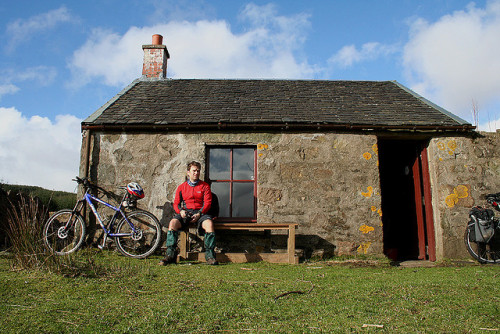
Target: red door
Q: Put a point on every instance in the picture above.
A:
(408, 226)
(423, 206)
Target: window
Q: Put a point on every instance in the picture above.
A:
(232, 175)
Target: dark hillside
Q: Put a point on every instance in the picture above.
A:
(54, 200)
(13, 194)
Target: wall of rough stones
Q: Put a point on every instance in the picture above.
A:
(463, 170)
(327, 183)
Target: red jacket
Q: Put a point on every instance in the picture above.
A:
(198, 197)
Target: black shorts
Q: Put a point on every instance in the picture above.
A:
(185, 221)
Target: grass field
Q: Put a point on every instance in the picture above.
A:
(117, 294)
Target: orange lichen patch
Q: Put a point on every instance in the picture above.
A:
(459, 191)
(379, 211)
(451, 200)
(369, 192)
(262, 146)
(375, 148)
(366, 229)
(363, 248)
(452, 145)
(367, 155)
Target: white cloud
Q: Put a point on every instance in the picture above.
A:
(490, 126)
(457, 60)
(20, 31)
(109, 56)
(201, 49)
(8, 89)
(37, 151)
(349, 54)
(283, 33)
(42, 75)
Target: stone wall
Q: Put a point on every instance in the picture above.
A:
(463, 170)
(327, 183)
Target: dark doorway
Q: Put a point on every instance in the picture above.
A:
(405, 188)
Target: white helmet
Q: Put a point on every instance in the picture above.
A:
(135, 189)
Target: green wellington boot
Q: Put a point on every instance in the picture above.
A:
(171, 244)
(210, 248)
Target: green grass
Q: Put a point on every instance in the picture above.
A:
(117, 294)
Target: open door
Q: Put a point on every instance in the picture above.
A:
(406, 200)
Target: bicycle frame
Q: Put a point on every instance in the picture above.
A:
(89, 198)
(118, 210)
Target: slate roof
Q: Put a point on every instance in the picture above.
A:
(208, 104)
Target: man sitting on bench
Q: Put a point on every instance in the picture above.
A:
(192, 202)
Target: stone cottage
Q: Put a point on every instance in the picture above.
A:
(363, 167)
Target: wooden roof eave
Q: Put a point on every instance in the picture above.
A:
(223, 126)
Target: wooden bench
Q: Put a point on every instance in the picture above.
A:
(288, 257)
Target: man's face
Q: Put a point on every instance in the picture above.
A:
(193, 173)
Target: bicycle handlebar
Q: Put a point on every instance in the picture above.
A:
(88, 184)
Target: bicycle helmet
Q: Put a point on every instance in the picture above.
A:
(135, 189)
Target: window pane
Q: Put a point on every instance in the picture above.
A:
(221, 190)
(243, 163)
(243, 200)
(219, 164)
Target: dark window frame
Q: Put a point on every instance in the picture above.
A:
(232, 181)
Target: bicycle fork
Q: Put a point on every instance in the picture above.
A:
(71, 220)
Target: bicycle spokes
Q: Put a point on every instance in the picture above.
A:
(481, 251)
(64, 232)
(141, 238)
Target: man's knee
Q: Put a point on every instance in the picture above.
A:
(174, 225)
(208, 225)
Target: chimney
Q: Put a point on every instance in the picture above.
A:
(155, 59)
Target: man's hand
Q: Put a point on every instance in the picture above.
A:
(183, 213)
(195, 217)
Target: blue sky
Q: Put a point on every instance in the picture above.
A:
(60, 61)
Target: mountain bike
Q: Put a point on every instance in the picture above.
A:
(482, 235)
(136, 232)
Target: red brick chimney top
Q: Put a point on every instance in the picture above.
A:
(155, 59)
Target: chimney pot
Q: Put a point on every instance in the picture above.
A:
(157, 39)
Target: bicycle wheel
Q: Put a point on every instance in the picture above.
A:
(64, 232)
(146, 238)
(481, 251)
